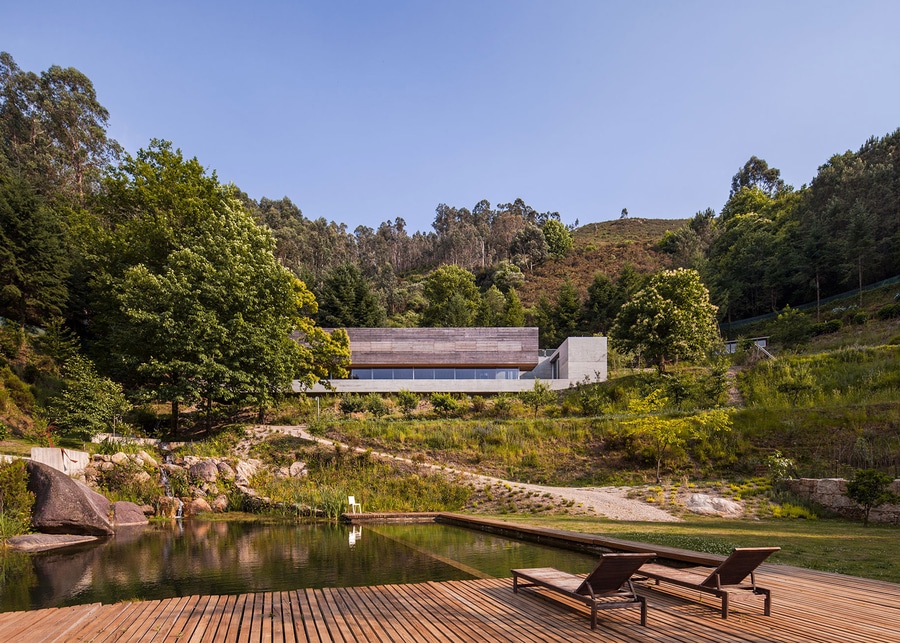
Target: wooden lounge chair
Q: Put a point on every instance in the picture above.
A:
(603, 588)
(726, 579)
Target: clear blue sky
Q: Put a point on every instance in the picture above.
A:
(369, 110)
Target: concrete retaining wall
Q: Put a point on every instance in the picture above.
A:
(65, 460)
(831, 493)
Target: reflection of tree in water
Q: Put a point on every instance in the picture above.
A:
(179, 558)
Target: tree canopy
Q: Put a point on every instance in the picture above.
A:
(670, 318)
(192, 304)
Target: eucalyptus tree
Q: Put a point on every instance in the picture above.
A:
(53, 129)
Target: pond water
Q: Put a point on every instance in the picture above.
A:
(166, 560)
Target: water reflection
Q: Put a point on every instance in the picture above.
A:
(199, 557)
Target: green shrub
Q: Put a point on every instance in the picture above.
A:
(351, 403)
(15, 499)
(792, 327)
(126, 482)
(408, 401)
(788, 510)
(444, 404)
(375, 404)
(860, 318)
(888, 312)
(828, 327)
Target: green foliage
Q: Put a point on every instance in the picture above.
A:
(346, 300)
(15, 499)
(557, 237)
(779, 467)
(889, 311)
(377, 486)
(192, 303)
(670, 318)
(792, 511)
(407, 401)
(130, 482)
(375, 405)
(869, 489)
(539, 397)
(34, 257)
(835, 378)
(453, 297)
(444, 404)
(352, 403)
(89, 404)
(792, 328)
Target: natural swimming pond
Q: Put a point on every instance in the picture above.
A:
(166, 560)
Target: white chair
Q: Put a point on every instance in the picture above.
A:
(355, 507)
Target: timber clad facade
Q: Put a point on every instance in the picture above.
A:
(464, 360)
(444, 347)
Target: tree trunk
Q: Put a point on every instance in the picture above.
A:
(174, 421)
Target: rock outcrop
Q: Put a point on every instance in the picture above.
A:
(127, 514)
(64, 506)
(706, 505)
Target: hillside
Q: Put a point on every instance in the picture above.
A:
(604, 247)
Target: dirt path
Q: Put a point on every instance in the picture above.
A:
(611, 502)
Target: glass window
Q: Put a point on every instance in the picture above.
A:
(485, 373)
(361, 374)
(403, 373)
(465, 373)
(424, 373)
(444, 374)
(382, 373)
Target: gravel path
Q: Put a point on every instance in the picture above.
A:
(611, 502)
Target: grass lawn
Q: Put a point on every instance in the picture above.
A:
(837, 546)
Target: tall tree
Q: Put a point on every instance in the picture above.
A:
(670, 318)
(191, 304)
(346, 300)
(53, 129)
(559, 240)
(756, 173)
(34, 255)
(453, 298)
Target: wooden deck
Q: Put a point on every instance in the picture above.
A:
(807, 606)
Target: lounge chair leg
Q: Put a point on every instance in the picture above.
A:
(643, 601)
(594, 616)
(515, 584)
(767, 606)
(725, 606)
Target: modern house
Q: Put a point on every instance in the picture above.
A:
(464, 360)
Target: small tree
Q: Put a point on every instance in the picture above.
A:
(89, 404)
(667, 433)
(407, 401)
(15, 499)
(869, 489)
(538, 397)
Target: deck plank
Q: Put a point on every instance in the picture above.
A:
(808, 607)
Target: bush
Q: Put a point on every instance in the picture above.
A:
(15, 499)
(444, 404)
(828, 327)
(788, 510)
(351, 404)
(408, 401)
(888, 312)
(860, 318)
(792, 328)
(375, 404)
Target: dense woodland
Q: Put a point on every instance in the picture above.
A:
(186, 289)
